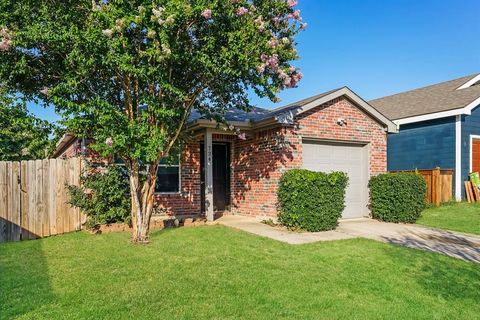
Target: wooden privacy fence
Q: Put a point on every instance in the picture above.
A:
(33, 198)
(439, 184)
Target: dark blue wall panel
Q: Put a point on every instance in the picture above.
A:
(423, 145)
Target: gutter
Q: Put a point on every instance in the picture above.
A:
(64, 141)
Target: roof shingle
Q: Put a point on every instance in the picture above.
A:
(431, 99)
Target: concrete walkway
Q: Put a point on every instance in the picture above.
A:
(454, 244)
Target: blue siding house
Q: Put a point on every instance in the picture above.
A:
(437, 126)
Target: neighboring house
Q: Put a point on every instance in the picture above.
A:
(333, 131)
(439, 126)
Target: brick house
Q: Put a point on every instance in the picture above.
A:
(220, 173)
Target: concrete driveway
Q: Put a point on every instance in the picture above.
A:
(454, 244)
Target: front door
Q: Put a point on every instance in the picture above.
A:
(475, 155)
(221, 176)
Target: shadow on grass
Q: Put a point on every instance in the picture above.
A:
(24, 279)
(440, 241)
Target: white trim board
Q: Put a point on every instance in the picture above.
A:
(458, 158)
(345, 91)
(470, 82)
(467, 110)
(477, 137)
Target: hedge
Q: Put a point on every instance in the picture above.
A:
(397, 197)
(312, 201)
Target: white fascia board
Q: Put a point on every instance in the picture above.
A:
(469, 83)
(345, 91)
(430, 116)
(467, 110)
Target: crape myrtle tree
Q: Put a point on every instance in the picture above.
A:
(127, 73)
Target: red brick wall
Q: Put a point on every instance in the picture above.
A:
(187, 202)
(71, 150)
(321, 122)
(261, 160)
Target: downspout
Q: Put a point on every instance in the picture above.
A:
(458, 158)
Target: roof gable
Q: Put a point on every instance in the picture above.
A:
(286, 114)
(448, 98)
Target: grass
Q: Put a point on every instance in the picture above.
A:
(463, 217)
(220, 273)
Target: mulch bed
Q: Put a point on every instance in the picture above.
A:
(154, 225)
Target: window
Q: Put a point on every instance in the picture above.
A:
(168, 176)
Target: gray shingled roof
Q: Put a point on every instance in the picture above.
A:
(259, 114)
(435, 98)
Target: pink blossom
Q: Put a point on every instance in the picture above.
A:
(273, 61)
(207, 14)
(273, 43)
(281, 74)
(276, 99)
(292, 3)
(45, 91)
(296, 15)
(5, 44)
(107, 32)
(261, 68)
(303, 26)
(264, 57)
(242, 11)
(276, 20)
(259, 22)
(287, 81)
(291, 69)
(298, 76)
(169, 20)
(109, 142)
(158, 12)
(242, 136)
(5, 39)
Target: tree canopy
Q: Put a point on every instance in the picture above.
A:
(129, 73)
(22, 135)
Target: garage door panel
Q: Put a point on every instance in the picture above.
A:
(349, 158)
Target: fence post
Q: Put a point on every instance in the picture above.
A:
(436, 186)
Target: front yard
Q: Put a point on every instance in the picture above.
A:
(463, 217)
(221, 273)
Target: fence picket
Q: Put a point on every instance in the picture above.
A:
(3, 203)
(16, 220)
(24, 204)
(34, 199)
(52, 213)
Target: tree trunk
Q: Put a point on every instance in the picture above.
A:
(142, 204)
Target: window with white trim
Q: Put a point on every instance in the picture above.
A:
(168, 176)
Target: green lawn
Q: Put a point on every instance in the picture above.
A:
(463, 217)
(220, 273)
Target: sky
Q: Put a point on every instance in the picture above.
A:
(378, 47)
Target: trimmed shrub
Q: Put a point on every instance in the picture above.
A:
(313, 201)
(104, 196)
(397, 197)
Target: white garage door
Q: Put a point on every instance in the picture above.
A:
(349, 158)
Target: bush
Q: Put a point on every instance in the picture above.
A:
(397, 197)
(104, 196)
(313, 201)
